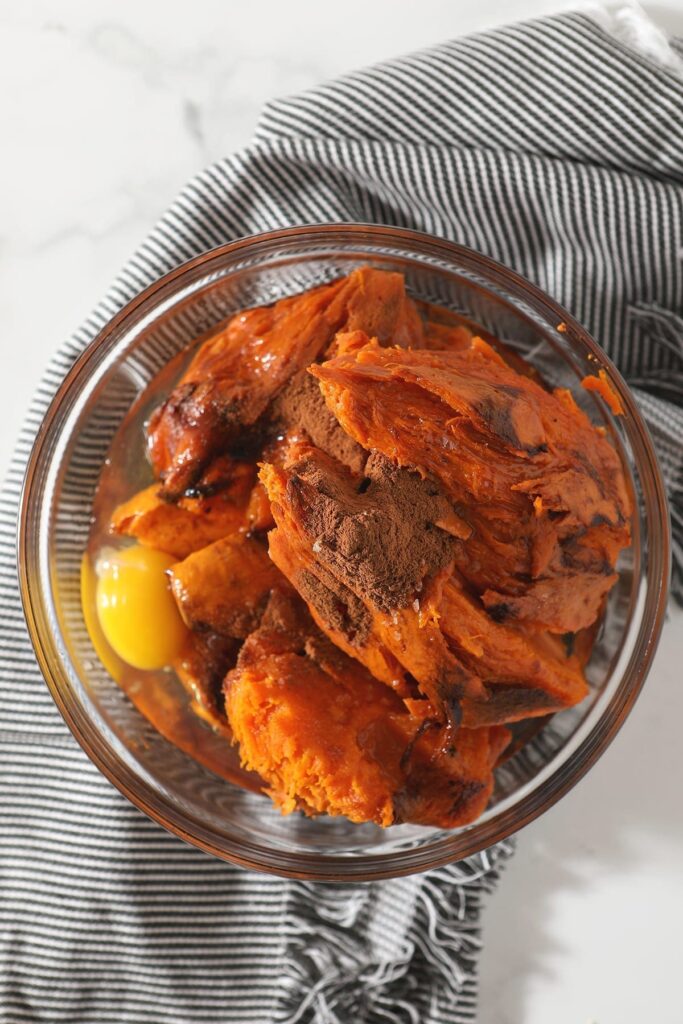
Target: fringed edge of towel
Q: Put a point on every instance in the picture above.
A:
(390, 954)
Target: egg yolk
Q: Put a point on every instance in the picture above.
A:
(114, 665)
(135, 607)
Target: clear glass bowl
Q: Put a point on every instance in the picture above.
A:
(90, 418)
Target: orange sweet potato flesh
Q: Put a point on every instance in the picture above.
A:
(525, 674)
(190, 524)
(375, 301)
(462, 660)
(441, 336)
(258, 515)
(327, 738)
(602, 386)
(406, 638)
(525, 469)
(446, 329)
(237, 371)
(224, 587)
(292, 554)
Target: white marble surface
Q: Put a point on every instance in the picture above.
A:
(106, 108)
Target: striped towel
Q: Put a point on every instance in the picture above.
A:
(552, 146)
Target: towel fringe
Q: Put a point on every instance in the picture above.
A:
(335, 970)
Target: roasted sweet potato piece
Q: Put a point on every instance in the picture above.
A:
(259, 518)
(345, 552)
(573, 598)
(296, 725)
(436, 633)
(526, 469)
(445, 329)
(224, 587)
(532, 435)
(336, 609)
(447, 784)
(236, 372)
(573, 587)
(329, 739)
(375, 301)
(191, 523)
(525, 675)
(231, 380)
(446, 337)
(202, 667)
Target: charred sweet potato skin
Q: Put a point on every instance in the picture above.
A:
(201, 667)
(230, 382)
(525, 673)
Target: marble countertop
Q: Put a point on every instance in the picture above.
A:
(106, 109)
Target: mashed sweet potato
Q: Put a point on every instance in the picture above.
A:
(329, 739)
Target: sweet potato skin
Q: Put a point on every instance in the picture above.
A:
(525, 674)
(201, 667)
(230, 382)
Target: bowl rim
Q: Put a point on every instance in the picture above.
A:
(363, 867)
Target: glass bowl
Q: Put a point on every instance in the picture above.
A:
(90, 419)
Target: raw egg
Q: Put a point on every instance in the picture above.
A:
(135, 607)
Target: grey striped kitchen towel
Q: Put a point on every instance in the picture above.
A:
(553, 146)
